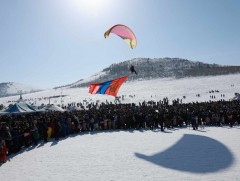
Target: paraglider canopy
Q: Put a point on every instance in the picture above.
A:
(124, 32)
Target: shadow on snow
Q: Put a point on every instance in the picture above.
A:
(193, 153)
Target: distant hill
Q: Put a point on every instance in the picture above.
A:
(157, 68)
(12, 88)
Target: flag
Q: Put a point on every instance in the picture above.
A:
(110, 87)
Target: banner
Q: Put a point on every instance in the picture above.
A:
(110, 87)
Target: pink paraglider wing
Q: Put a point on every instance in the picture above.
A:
(125, 33)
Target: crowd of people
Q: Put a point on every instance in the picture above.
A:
(24, 130)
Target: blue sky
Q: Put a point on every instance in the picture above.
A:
(48, 43)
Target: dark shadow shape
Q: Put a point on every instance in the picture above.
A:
(73, 135)
(9, 157)
(142, 130)
(93, 132)
(55, 142)
(41, 144)
(193, 153)
(131, 130)
(31, 147)
(83, 133)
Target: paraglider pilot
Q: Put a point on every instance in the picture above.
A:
(133, 70)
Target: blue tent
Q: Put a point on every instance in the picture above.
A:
(20, 107)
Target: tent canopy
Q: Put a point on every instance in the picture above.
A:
(20, 107)
(52, 107)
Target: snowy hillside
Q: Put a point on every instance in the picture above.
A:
(12, 88)
(144, 90)
(157, 68)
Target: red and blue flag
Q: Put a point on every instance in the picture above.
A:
(110, 87)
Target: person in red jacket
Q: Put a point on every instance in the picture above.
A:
(3, 152)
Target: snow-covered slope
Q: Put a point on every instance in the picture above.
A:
(210, 154)
(157, 68)
(12, 88)
(145, 90)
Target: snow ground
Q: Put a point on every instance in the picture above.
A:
(155, 89)
(180, 154)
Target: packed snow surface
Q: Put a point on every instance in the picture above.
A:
(179, 154)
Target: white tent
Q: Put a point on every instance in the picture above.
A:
(52, 107)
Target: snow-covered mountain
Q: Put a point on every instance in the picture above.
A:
(12, 88)
(157, 68)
